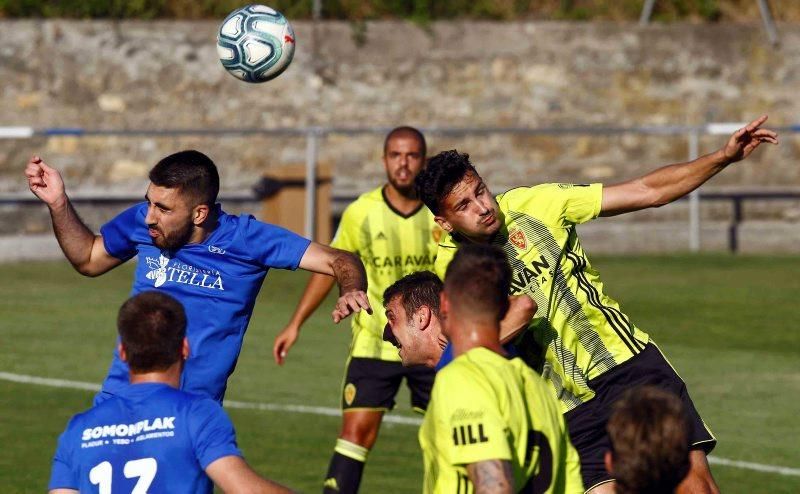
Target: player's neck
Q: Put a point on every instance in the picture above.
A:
(202, 232)
(404, 203)
(466, 334)
(170, 376)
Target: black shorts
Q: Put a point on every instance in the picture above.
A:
(587, 422)
(372, 384)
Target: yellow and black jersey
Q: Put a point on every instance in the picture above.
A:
(486, 407)
(391, 245)
(579, 332)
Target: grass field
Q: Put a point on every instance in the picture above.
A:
(728, 324)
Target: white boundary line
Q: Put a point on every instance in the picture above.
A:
(335, 412)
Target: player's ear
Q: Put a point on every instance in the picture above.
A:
(443, 224)
(185, 348)
(123, 355)
(200, 214)
(609, 461)
(423, 317)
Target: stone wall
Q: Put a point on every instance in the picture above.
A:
(165, 75)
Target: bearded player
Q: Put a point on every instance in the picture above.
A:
(394, 234)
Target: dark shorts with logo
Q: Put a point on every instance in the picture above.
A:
(373, 384)
(587, 422)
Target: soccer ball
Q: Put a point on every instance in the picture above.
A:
(255, 43)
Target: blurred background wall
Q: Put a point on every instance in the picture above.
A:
(158, 74)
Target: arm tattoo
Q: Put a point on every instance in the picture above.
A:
(492, 476)
(349, 272)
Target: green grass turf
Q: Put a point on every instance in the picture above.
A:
(726, 323)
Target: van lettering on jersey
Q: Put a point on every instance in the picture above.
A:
(400, 261)
(528, 275)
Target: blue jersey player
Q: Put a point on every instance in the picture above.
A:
(150, 436)
(187, 246)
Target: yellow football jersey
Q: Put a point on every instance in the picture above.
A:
(486, 407)
(579, 332)
(391, 245)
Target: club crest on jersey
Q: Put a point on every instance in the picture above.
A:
(517, 238)
(349, 393)
(437, 234)
(161, 272)
(159, 269)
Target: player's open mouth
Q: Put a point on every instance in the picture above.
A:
(153, 232)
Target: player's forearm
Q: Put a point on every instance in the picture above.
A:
(254, 484)
(233, 475)
(74, 237)
(521, 310)
(491, 477)
(316, 290)
(672, 182)
(349, 272)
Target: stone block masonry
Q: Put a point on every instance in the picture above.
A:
(165, 75)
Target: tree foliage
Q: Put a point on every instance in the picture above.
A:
(422, 11)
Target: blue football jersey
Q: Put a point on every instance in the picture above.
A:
(217, 282)
(149, 437)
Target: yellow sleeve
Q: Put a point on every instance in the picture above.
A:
(347, 234)
(468, 410)
(556, 204)
(444, 254)
(574, 481)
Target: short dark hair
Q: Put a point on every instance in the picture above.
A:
(443, 172)
(649, 432)
(151, 327)
(404, 131)
(190, 171)
(416, 289)
(479, 278)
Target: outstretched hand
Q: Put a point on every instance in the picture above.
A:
(747, 139)
(349, 303)
(283, 342)
(44, 182)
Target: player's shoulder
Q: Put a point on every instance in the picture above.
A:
(448, 242)
(199, 405)
(527, 193)
(369, 198)
(242, 232)
(472, 366)
(363, 205)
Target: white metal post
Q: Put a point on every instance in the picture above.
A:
(312, 148)
(694, 196)
(769, 22)
(647, 11)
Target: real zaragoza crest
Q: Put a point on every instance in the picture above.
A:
(517, 238)
(349, 393)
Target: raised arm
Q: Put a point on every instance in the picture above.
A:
(521, 310)
(672, 182)
(233, 474)
(491, 477)
(82, 248)
(316, 290)
(349, 273)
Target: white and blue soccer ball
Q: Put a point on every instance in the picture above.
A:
(255, 43)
